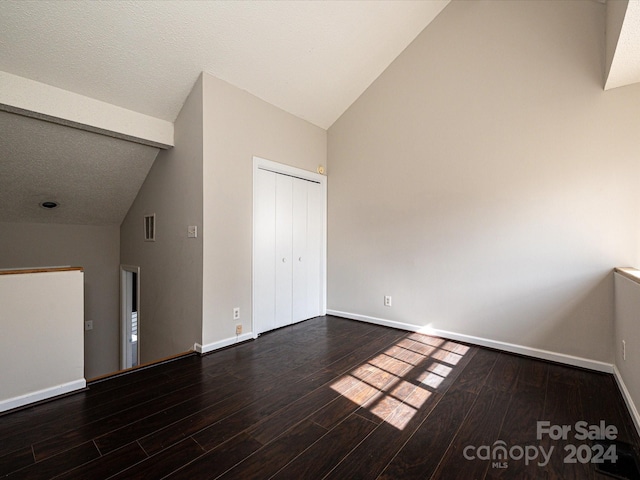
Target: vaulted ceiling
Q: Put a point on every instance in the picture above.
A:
(93, 177)
(126, 58)
(138, 60)
(310, 58)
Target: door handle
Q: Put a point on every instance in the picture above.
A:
(284, 259)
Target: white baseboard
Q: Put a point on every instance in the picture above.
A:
(631, 406)
(44, 394)
(210, 347)
(484, 342)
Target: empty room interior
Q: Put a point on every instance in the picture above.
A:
(320, 239)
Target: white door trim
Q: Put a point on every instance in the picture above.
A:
(264, 164)
(123, 311)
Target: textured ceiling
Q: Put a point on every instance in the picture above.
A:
(310, 58)
(625, 68)
(93, 177)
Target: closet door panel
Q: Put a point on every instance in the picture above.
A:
(300, 257)
(288, 243)
(283, 248)
(315, 223)
(265, 248)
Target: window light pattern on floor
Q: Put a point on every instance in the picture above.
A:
(394, 384)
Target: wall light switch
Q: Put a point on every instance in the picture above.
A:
(192, 231)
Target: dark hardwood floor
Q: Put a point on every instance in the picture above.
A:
(326, 398)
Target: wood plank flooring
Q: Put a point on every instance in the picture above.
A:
(327, 398)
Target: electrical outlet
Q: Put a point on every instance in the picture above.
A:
(624, 350)
(236, 313)
(239, 329)
(88, 325)
(387, 301)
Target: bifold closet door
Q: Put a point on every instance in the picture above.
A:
(284, 250)
(265, 251)
(288, 242)
(307, 231)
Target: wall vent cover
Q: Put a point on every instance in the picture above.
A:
(150, 228)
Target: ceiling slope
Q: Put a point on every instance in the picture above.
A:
(93, 177)
(623, 43)
(310, 58)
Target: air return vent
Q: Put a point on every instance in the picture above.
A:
(150, 228)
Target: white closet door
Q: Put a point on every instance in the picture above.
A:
(300, 251)
(265, 251)
(315, 224)
(288, 240)
(284, 249)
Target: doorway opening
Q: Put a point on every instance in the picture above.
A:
(129, 316)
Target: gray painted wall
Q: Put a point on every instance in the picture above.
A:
(237, 126)
(189, 287)
(487, 182)
(627, 328)
(170, 267)
(97, 250)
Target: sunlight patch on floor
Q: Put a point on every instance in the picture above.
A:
(394, 384)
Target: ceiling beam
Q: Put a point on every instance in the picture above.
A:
(615, 18)
(38, 100)
(622, 43)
